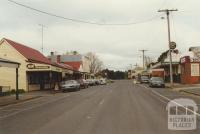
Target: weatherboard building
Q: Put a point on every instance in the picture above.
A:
(36, 72)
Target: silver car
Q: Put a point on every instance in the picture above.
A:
(70, 85)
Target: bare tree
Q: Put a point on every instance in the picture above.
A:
(95, 64)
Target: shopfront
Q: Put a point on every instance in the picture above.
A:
(36, 71)
(42, 76)
(190, 70)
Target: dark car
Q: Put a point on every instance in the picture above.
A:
(83, 83)
(97, 81)
(156, 82)
(70, 85)
(144, 79)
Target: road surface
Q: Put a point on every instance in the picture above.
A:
(118, 108)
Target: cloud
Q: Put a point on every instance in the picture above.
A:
(113, 44)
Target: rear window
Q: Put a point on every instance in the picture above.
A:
(144, 77)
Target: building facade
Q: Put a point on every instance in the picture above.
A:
(36, 72)
(164, 63)
(80, 63)
(190, 66)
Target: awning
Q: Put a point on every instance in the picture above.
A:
(163, 64)
(8, 63)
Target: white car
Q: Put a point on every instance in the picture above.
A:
(103, 81)
(70, 85)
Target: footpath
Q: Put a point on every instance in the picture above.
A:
(11, 99)
(193, 89)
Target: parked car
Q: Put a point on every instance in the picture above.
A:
(91, 82)
(97, 81)
(83, 83)
(70, 85)
(144, 79)
(103, 82)
(156, 82)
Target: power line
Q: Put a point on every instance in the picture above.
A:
(81, 21)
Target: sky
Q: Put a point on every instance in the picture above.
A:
(116, 45)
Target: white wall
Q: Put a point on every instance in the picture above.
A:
(8, 75)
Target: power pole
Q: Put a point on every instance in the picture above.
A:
(42, 26)
(167, 11)
(143, 56)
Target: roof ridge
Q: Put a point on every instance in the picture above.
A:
(28, 52)
(21, 44)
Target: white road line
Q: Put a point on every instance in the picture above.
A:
(88, 117)
(164, 97)
(159, 98)
(143, 86)
(102, 101)
(14, 113)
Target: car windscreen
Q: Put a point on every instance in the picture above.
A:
(157, 79)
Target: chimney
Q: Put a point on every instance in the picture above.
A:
(52, 53)
(58, 59)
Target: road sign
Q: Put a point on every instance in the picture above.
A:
(172, 45)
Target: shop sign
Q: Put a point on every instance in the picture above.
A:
(195, 59)
(41, 67)
(172, 45)
(32, 66)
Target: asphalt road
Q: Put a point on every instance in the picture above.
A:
(118, 108)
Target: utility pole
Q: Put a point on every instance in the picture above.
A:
(143, 56)
(42, 26)
(167, 11)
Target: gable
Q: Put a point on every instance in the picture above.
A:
(29, 53)
(8, 52)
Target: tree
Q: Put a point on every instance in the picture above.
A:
(95, 64)
(116, 75)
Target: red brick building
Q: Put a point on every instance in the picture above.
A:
(190, 71)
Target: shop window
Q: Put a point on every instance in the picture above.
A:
(33, 78)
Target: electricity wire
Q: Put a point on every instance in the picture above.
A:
(82, 21)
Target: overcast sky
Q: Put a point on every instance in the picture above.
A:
(117, 46)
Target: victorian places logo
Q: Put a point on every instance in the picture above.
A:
(182, 114)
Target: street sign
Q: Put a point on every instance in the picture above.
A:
(172, 45)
